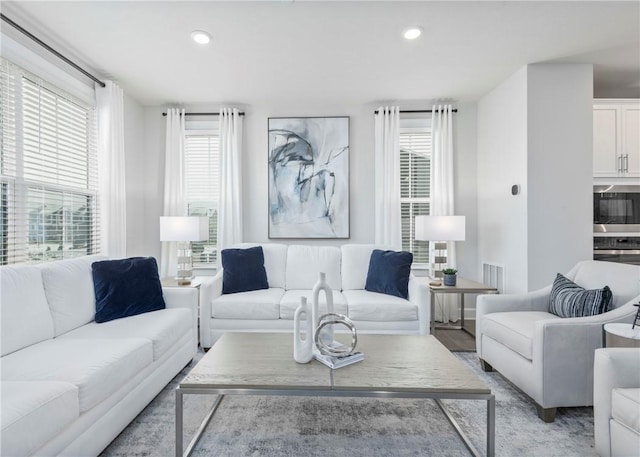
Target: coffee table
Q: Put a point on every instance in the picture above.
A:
(395, 366)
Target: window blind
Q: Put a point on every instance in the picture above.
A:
(415, 181)
(202, 163)
(49, 175)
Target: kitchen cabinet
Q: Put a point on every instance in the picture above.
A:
(616, 138)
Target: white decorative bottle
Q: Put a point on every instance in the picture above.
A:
(321, 286)
(302, 348)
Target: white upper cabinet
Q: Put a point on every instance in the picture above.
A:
(616, 138)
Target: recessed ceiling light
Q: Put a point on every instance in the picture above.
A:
(200, 37)
(412, 33)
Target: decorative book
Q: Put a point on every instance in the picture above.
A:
(333, 361)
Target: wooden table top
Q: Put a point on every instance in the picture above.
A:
(463, 285)
(392, 363)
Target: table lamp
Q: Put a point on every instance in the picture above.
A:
(439, 229)
(184, 230)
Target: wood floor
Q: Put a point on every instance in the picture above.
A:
(458, 340)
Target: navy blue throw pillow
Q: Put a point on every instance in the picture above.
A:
(243, 270)
(126, 287)
(389, 272)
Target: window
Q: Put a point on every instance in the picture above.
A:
(415, 177)
(201, 189)
(48, 171)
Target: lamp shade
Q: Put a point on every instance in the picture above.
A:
(184, 228)
(440, 228)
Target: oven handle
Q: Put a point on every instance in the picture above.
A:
(617, 251)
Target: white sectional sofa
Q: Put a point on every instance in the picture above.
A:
(616, 402)
(69, 386)
(292, 271)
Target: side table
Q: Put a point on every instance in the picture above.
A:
(462, 287)
(621, 335)
(196, 282)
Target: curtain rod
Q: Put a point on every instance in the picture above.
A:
(454, 110)
(50, 49)
(241, 113)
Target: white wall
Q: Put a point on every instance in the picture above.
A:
(502, 162)
(559, 169)
(535, 130)
(148, 169)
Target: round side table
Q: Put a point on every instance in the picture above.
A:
(622, 335)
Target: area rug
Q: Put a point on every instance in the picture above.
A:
(355, 427)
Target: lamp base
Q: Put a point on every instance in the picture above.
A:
(183, 281)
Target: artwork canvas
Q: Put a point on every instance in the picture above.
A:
(309, 177)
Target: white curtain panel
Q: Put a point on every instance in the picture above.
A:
(442, 198)
(111, 170)
(230, 180)
(388, 228)
(173, 185)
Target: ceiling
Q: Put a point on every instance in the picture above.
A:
(315, 52)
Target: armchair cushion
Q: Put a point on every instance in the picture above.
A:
(514, 329)
(567, 299)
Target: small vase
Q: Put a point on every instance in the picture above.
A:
(450, 280)
(302, 348)
(321, 286)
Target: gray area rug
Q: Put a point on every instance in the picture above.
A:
(359, 427)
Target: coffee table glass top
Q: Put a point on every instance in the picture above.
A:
(392, 363)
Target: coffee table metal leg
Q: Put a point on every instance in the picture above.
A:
(491, 426)
(179, 425)
(459, 431)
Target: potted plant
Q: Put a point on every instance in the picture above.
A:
(449, 276)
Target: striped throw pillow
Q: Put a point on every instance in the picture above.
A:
(568, 299)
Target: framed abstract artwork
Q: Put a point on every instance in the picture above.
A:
(309, 177)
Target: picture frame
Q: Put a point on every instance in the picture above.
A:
(308, 162)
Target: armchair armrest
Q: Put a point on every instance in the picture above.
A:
(565, 348)
(613, 368)
(538, 300)
(209, 291)
(419, 295)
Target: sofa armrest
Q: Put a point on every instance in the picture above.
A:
(184, 297)
(419, 295)
(209, 291)
(613, 368)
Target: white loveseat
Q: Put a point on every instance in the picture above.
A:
(616, 402)
(69, 386)
(292, 271)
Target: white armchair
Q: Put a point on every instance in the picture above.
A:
(548, 357)
(616, 402)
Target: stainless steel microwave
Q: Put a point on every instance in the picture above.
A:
(616, 208)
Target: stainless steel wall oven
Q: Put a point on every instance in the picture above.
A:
(616, 208)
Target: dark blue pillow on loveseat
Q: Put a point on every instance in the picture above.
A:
(243, 270)
(126, 287)
(389, 272)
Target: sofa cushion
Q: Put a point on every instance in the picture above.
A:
(567, 299)
(164, 328)
(257, 304)
(97, 367)
(126, 287)
(68, 285)
(243, 270)
(45, 406)
(372, 306)
(514, 329)
(291, 300)
(305, 263)
(26, 318)
(355, 264)
(625, 407)
(275, 261)
(389, 272)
